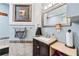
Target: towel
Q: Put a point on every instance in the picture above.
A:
(20, 33)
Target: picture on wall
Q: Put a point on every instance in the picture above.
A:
(23, 13)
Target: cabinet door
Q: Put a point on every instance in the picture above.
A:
(44, 49)
(73, 9)
(35, 48)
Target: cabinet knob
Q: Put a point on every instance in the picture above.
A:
(37, 46)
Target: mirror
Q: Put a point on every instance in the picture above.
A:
(56, 14)
(53, 20)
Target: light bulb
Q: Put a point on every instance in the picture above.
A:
(50, 4)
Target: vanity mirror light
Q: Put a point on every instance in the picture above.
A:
(48, 5)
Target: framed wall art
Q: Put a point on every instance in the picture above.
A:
(23, 13)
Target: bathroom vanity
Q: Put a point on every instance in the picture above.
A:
(41, 46)
(51, 47)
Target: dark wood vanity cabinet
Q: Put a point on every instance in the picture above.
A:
(40, 48)
(35, 48)
(44, 49)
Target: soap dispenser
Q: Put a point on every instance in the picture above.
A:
(53, 37)
(38, 32)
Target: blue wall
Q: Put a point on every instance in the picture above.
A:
(4, 21)
(61, 35)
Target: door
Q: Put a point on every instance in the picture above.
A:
(36, 48)
(44, 49)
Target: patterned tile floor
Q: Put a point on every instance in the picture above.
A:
(21, 49)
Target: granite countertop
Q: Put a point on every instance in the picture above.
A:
(3, 46)
(45, 40)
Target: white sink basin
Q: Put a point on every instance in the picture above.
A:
(45, 40)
